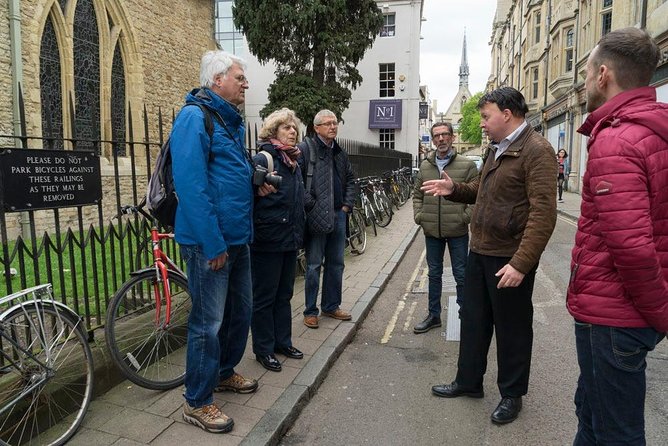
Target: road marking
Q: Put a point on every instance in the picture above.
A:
(567, 220)
(402, 302)
(409, 317)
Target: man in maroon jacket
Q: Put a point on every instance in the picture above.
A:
(618, 291)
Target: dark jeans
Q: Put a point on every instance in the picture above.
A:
(610, 398)
(459, 249)
(273, 286)
(218, 322)
(506, 311)
(330, 248)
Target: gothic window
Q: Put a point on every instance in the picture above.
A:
(63, 4)
(50, 91)
(86, 76)
(606, 17)
(118, 100)
(568, 50)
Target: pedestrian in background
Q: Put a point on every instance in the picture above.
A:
(618, 292)
(563, 171)
(444, 222)
(329, 197)
(212, 177)
(513, 218)
(279, 232)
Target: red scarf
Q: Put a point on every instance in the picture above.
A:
(289, 154)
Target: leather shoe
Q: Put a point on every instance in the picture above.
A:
(427, 324)
(338, 314)
(290, 352)
(453, 391)
(311, 321)
(507, 410)
(269, 362)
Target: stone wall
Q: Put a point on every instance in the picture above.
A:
(161, 43)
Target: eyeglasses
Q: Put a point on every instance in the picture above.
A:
(328, 124)
(241, 79)
(444, 134)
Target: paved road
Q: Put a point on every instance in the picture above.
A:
(378, 392)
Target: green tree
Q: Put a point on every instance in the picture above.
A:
(315, 44)
(469, 126)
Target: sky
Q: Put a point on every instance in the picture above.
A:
(441, 46)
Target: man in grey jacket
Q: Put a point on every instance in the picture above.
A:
(329, 197)
(443, 222)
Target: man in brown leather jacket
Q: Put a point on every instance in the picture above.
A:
(513, 218)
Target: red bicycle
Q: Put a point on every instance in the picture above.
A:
(147, 319)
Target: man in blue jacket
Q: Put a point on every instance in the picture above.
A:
(212, 177)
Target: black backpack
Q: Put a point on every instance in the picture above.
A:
(161, 196)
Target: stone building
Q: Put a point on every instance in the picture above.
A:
(541, 48)
(82, 65)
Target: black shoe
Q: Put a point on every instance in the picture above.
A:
(427, 324)
(507, 410)
(269, 362)
(290, 352)
(453, 391)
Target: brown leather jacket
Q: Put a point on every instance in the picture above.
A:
(515, 201)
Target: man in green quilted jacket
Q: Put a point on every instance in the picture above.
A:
(444, 222)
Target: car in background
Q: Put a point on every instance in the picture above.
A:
(477, 159)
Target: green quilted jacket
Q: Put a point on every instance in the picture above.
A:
(438, 216)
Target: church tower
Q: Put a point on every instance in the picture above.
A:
(454, 113)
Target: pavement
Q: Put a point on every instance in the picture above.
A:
(130, 415)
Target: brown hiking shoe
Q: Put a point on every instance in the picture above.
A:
(209, 417)
(237, 383)
(338, 314)
(311, 321)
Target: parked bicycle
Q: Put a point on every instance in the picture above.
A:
(147, 319)
(46, 369)
(356, 232)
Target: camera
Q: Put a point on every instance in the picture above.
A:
(262, 175)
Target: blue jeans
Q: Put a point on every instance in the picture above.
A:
(610, 398)
(219, 319)
(459, 251)
(329, 247)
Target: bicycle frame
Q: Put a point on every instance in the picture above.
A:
(38, 293)
(162, 263)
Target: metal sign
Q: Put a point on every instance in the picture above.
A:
(424, 110)
(385, 114)
(45, 179)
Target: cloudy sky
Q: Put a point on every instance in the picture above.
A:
(441, 48)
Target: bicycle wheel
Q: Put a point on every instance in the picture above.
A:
(43, 397)
(369, 217)
(148, 352)
(357, 232)
(382, 211)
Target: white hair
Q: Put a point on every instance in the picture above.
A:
(215, 63)
(323, 114)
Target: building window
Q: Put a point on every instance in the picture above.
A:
(568, 51)
(388, 25)
(537, 27)
(606, 17)
(386, 80)
(387, 138)
(229, 37)
(534, 83)
(50, 91)
(118, 101)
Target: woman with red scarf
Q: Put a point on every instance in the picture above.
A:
(279, 218)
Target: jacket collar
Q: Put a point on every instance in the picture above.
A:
(607, 112)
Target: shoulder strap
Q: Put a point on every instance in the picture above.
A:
(270, 160)
(312, 147)
(208, 124)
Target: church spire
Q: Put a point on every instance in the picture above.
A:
(464, 67)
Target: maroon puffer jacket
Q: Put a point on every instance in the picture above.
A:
(619, 268)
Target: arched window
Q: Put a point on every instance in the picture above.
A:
(51, 88)
(118, 100)
(86, 76)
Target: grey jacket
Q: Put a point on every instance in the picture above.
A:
(438, 216)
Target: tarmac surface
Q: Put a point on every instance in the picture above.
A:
(130, 415)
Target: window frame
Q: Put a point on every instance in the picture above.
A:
(568, 49)
(389, 29)
(387, 139)
(537, 26)
(387, 80)
(606, 17)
